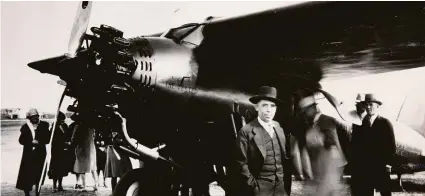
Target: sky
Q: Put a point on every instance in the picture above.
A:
(32, 31)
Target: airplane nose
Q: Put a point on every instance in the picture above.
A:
(49, 65)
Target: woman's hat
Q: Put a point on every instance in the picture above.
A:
(61, 116)
(32, 112)
(360, 97)
(371, 98)
(266, 93)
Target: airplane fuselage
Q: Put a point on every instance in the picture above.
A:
(177, 94)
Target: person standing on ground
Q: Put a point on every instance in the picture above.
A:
(34, 137)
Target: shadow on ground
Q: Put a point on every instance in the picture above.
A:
(10, 190)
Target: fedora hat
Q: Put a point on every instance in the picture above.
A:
(266, 93)
(360, 97)
(371, 98)
(306, 102)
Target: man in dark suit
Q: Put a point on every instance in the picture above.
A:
(373, 148)
(262, 163)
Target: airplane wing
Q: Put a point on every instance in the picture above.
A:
(318, 40)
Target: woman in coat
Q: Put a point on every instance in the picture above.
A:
(71, 154)
(34, 136)
(58, 163)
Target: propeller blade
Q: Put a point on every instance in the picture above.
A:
(334, 102)
(81, 23)
(48, 150)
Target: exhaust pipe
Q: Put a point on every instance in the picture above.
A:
(152, 153)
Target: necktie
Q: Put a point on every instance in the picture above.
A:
(366, 121)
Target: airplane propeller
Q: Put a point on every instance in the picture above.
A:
(79, 29)
(334, 102)
(51, 65)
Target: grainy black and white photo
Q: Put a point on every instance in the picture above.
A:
(204, 98)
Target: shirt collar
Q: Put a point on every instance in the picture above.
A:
(269, 127)
(264, 124)
(372, 118)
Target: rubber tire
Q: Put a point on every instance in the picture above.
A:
(148, 185)
(127, 180)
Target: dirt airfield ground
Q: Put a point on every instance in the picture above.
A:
(11, 152)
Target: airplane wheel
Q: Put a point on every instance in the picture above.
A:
(129, 184)
(139, 182)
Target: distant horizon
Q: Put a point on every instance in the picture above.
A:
(344, 90)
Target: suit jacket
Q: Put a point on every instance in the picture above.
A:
(251, 151)
(373, 147)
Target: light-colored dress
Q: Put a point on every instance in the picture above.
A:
(85, 151)
(325, 156)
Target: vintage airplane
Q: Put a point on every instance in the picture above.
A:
(188, 88)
